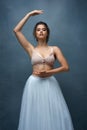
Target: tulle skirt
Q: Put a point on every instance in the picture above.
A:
(43, 106)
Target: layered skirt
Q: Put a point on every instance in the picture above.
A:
(43, 106)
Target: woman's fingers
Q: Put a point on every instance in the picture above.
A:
(36, 12)
(42, 74)
(35, 72)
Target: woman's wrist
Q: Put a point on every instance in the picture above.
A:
(51, 72)
(29, 14)
(57, 70)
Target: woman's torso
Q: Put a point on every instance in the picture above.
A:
(40, 62)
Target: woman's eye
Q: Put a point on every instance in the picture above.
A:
(38, 30)
(41, 29)
(44, 29)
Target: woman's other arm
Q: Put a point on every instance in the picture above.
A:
(61, 59)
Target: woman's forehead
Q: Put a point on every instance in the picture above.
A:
(41, 26)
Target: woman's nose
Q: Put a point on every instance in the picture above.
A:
(41, 30)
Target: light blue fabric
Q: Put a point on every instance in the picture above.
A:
(43, 106)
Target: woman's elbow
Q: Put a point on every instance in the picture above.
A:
(14, 30)
(67, 68)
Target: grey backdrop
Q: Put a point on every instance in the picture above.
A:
(68, 24)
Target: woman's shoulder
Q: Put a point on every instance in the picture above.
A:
(55, 47)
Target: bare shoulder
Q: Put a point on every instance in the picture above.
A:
(56, 49)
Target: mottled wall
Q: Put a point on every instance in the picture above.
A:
(68, 24)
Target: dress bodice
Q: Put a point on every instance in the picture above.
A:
(38, 59)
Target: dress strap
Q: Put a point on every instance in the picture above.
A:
(52, 50)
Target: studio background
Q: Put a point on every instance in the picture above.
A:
(67, 20)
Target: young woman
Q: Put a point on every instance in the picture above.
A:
(43, 105)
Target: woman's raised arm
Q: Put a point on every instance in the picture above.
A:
(17, 30)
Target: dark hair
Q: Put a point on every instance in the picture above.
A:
(48, 30)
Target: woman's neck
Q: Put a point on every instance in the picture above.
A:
(42, 44)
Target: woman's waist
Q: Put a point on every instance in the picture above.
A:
(42, 67)
(42, 71)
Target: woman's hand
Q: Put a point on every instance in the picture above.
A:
(35, 12)
(42, 73)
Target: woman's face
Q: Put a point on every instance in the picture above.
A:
(41, 32)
